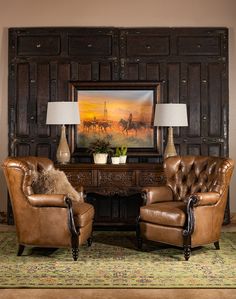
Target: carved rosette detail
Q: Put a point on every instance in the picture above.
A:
(116, 178)
(150, 178)
(81, 178)
(116, 191)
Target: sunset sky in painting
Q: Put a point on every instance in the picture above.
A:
(119, 104)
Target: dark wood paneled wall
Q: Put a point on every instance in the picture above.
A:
(191, 63)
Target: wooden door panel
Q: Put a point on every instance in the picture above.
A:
(199, 45)
(63, 77)
(44, 149)
(194, 100)
(43, 97)
(173, 79)
(22, 124)
(99, 45)
(38, 45)
(147, 45)
(21, 149)
(215, 124)
(153, 71)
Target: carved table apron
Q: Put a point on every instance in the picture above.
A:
(114, 190)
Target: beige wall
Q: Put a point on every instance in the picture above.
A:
(120, 13)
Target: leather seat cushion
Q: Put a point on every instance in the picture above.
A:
(83, 213)
(165, 213)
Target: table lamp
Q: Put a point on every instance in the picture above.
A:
(170, 115)
(63, 113)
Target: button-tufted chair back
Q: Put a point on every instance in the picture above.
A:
(191, 174)
(22, 171)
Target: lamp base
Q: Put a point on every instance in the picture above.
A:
(170, 147)
(63, 151)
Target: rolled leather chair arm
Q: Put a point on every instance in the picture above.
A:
(47, 200)
(157, 194)
(204, 198)
(195, 200)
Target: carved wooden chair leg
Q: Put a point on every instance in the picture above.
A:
(138, 234)
(187, 252)
(20, 249)
(140, 243)
(75, 248)
(187, 243)
(217, 245)
(73, 230)
(90, 241)
(187, 232)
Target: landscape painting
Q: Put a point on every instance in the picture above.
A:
(124, 117)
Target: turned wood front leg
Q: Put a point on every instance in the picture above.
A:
(73, 231)
(138, 234)
(20, 249)
(217, 245)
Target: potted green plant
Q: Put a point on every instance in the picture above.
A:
(116, 158)
(100, 149)
(123, 154)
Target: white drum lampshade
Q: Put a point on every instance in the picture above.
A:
(170, 115)
(63, 113)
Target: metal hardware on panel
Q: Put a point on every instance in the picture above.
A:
(204, 117)
(12, 41)
(213, 140)
(12, 71)
(38, 45)
(112, 59)
(222, 59)
(122, 62)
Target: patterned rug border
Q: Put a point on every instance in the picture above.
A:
(120, 252)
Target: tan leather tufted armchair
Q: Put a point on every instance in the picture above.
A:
(189, 210)
(46, 220)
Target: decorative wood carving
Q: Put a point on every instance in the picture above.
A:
(150, 178)
(116, 178)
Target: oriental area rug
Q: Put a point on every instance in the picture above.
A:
(114, 262)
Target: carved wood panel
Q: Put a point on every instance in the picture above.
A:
(191, 63)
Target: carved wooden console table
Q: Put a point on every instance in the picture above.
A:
(114, 190)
